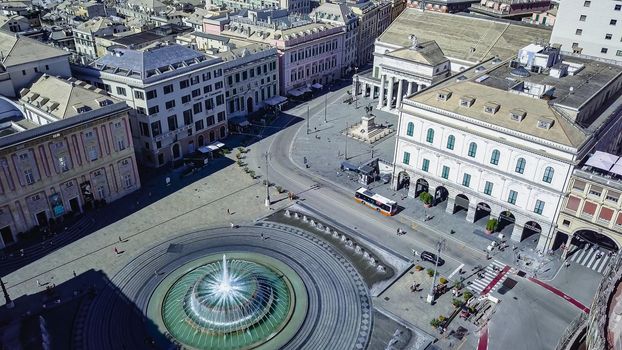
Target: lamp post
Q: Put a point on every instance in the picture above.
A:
(325, 103)
(439, 247)
(308, 128)
(346, 148)
(356, 88)
(267, 202)
(7, 299)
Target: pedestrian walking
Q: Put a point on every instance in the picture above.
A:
(74, 273)
(228, 211)
(232, 225)
(567, 263)
(120, 240)
(38, 283)
(116, 250)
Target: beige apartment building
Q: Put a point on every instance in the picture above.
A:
(592, 209)
(71, 148)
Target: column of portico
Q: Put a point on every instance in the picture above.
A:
(517, 231)
(470, 216)
(399, 93)
(390, 87)
(451, 201)
(383, 80)
(409, 89)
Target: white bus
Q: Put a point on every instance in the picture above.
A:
(384, 205)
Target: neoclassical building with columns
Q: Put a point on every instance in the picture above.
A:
(502, 140)
(402, 71)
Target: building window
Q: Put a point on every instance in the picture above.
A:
(121, 91)
(196, 92)
(582, 18)
(197, 108)
(170, 104)
(596, 191)
(194, 80)
(613, 22)
(154, 110)
(608, 36)
(62, 164)
(172, 122)
(188, 117)
(30, 179)
(520, 165)
(587, 3)
(410, 129)
(101, 192)
(619, 53)
(198, 125)
(430, 136)
(445, 173)
(210, 120)
(604, 50)
(185, 99)
(494, 158)
(612, 196)
(466, 180)
(139, 95)
(472, 149)
(156, 128)
(488, 187)
(220, 100)
(578, 31)
(617, 7)
(168, 89)
(573, 203)
(152, 94)
(406, 159)
(578, 185)
(426, 165)
(92, 153)
(127, 181)
(451, 141)
(512, 197)
(548, 174)
(566, 223)
(539, 208)
(184, 84)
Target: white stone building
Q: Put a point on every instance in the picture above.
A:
(247, 68)
(341, 15)
(177, 94)
(502, 140)
(592, 28)
(440, 51)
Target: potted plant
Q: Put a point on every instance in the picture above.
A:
(491, 226)
(443, 280)
(456, 303)
(426, 198)
(430, 272)
(467, 295)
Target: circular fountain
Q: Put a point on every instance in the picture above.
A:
(227, 304)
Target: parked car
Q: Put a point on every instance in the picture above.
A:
(431, 257)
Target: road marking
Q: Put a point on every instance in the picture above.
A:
(561, 294)
(455, 271)
(496, 280)
(603, 264)
(483, 339)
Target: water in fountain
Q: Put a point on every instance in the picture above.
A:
(227, 305)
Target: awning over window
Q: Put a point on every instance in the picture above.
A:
(317, 86)
(211, 147)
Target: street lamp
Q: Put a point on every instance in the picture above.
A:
(346, 148)
(440, 245)
(267, 202)
(356, 88)
(308, 128)
(325, 103)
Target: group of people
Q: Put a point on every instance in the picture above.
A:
(401, 232)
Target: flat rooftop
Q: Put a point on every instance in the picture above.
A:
(465, 38)
(584, 84)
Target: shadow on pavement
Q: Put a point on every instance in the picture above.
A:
(70, 316)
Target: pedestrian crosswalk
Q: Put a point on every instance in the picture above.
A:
(491, 277)
(592, 258)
